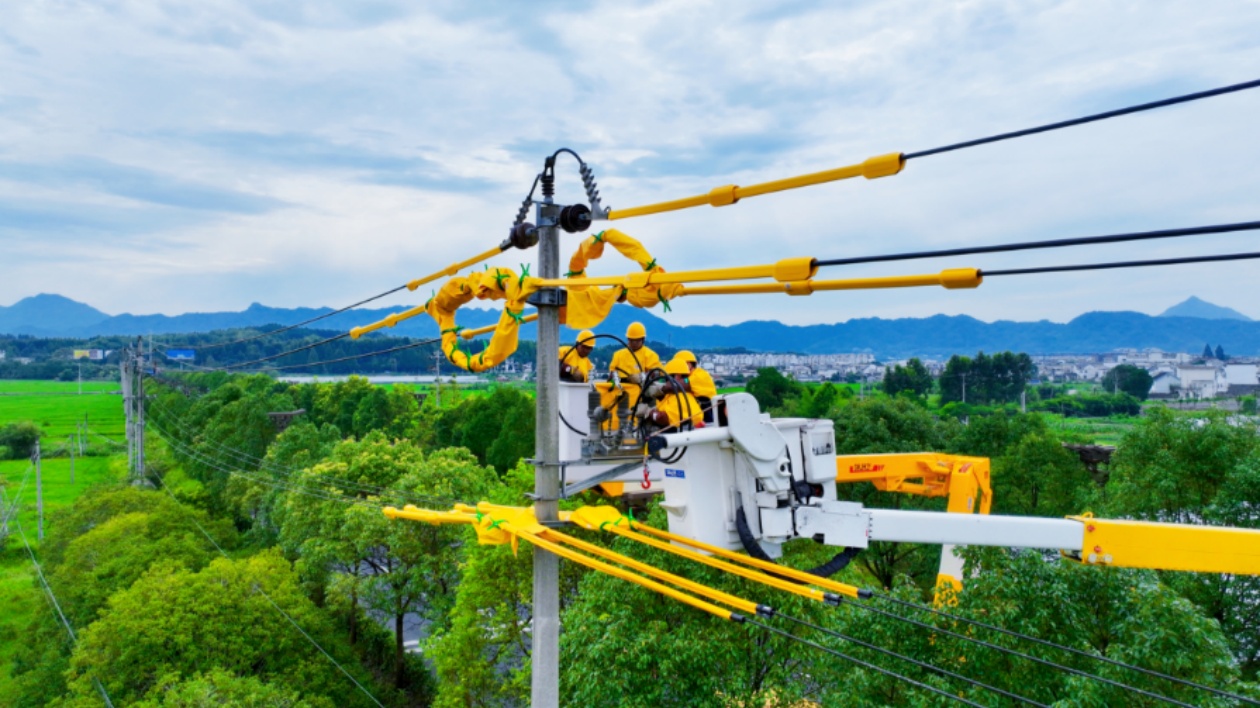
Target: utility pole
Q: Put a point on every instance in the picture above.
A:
(70, 445)
(139, 403)
(80, 378)
(545, 679)
(39, 489)
(437, 377)
(124, 364)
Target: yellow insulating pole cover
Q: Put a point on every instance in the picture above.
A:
(952, 279)
(781, 570)
(470, 333)
(787, 269)
(454, 268)
(626, 575)
(389, 321)
(690, 585)
(873, 168)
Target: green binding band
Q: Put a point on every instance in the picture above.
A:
(650, 265)
(598, 237)
(524, 274)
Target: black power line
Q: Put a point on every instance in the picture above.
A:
(1071, 650)
(1123, 264)
(1014, 652)
(312, 345)
(1086, 119)
(299, 324)
(863, 664)
(1054, 243)
(921, 664)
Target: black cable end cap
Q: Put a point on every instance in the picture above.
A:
(832, 599)
(737, 617)
(865, 594)
(765, 611)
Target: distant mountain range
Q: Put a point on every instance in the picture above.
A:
(941, 335)
(1194, 307)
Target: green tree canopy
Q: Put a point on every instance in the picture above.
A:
(173, 620)
(913, 378)
(771, 388)
(1129, 379)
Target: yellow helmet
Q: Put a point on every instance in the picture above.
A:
(687, 356)
(636, 330)
(677, 367)
(586, 337)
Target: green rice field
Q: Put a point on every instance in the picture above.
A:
(57, 408)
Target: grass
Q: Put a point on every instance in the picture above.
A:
(63, 387)
(57, 416)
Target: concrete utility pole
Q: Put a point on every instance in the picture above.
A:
(39, 489)
(70, 445)
(124, 364)
(139, 403)
(545, 680)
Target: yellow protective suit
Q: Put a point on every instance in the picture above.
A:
(581, 365)
(681, 407)
(627, 365)
(702, 385)
(589, 305)
(493, 284)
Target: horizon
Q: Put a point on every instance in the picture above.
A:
(490, 308)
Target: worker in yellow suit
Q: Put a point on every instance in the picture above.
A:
(677, 406)
(702, 386)
(575, 359)
(633, 363)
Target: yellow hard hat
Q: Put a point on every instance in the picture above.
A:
(586, 337)
(636, 330)
(687, 356)
(677, 367)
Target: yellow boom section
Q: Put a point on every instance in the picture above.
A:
(1145, 544)
(964, 480)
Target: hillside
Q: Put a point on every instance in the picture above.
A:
(1194, 307)
(940, 335)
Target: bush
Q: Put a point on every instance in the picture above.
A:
(19, 438)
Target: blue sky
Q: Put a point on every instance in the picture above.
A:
(177, 156)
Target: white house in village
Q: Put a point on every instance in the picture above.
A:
(1201, 381)
(1165, 384)
(1241, 379)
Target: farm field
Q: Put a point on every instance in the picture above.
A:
(8, 386)
(56, 407)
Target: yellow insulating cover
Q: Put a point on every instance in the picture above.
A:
(957, 278)
(882, 165)
(723, 196)
(493, 284)
(791, 269)
(588, 305)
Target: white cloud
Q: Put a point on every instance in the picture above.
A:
(388, 141)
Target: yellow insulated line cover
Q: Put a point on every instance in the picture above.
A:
(874, 168)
